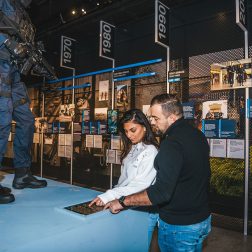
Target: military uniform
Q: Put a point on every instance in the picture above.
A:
(14, 100)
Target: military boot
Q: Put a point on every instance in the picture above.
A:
(5, 195)
(24, 179)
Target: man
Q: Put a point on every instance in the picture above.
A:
(181, 187)
(14, 100)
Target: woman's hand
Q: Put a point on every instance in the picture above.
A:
(97, 201)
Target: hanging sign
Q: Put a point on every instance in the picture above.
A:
(161, 24)
(241, 14)
(107, 35)
(67, 54)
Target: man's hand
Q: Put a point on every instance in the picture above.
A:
(97, 201)
(114, 206)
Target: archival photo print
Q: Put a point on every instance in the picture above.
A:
(103, 90)
(231, 74)
(112, 121)
(66, 112)
(40, 124)
(122, 96)
(215, 109)
(101, 114)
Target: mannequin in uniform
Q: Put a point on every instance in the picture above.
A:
(14, 100)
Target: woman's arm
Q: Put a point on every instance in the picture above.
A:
(145, 176)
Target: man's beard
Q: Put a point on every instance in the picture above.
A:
(156, 130)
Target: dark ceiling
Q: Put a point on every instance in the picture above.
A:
(194, 25)
(54, 15)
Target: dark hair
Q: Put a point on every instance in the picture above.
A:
(138, 117)
(170, 104)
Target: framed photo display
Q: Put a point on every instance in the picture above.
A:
(112, 121)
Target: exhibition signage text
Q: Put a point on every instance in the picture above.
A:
(161, 24)
(107, 35)
(67, 55)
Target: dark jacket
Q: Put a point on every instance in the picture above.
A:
(183, 175)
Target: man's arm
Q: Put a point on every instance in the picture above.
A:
(170, 160)
(137, 199)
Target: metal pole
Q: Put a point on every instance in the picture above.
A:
(112, 106)
(246, 175)
(72, 124)
(167, 70)
(42, 132)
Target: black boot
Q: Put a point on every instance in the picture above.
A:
(24, 179)
(4, 190)
(5, 195)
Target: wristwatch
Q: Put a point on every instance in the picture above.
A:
(121, 200)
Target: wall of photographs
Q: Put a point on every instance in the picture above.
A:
(210, 102)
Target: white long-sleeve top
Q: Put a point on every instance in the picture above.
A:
(137, 172)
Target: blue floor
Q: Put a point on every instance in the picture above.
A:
(36, 221)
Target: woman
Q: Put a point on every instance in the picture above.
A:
(138, 172)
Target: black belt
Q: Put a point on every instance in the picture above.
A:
(5, 94)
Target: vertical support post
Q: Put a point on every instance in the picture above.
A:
(112, 106)
(72, 124)
(167, 70)
(246, 175)
(42, 132)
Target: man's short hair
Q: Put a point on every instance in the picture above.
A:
(170, 104)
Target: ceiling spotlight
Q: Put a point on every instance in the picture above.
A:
(73, 12)
(83, 11)
(97, 3)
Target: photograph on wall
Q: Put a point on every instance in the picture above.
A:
(40, 124)
(64, 127)
(214, 109)
(112, 121)
(85, 127)
(85, 115)
(55, 127)
(76, 137)
(82, 100)
(103, 90)
(90, 141)
(77, 128)
(64, 151)
(111, 156)
(66, 112)
(102, 127)
(231, 74)
(116, 143)
(100, 114)
(36, 137)
(98, 141)
(93, 128)
(65, 139)
(48, 138)
(122, 96)
(82, 104)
